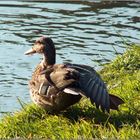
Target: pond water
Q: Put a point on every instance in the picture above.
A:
(84, 32)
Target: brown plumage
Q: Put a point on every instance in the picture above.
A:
(72, 80)
(39, 85)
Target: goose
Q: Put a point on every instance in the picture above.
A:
(58, 86)
(52, 103)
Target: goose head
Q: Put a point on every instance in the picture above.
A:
(44, 46)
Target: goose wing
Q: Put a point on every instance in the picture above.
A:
(60, 79)
(92, 86)
(62, 76)
(80, 79)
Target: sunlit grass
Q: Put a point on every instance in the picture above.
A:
(83, 121)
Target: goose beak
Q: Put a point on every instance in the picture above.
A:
(30, 52)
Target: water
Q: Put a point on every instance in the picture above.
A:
(83, 32)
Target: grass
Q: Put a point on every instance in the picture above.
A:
(84, 121)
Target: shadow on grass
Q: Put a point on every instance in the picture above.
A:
(116, 118)
(88, 113)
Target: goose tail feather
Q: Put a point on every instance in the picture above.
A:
(115, 102)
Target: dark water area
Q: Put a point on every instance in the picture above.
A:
(84, 32)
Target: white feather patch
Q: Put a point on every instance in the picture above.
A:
(42, 89)
(70, 91)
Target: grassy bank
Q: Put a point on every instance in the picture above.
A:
(83, 121)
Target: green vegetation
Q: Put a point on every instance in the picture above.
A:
(83, 121)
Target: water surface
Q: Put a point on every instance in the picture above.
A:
(83, 32)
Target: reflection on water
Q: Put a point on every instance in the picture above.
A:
(83, 32)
